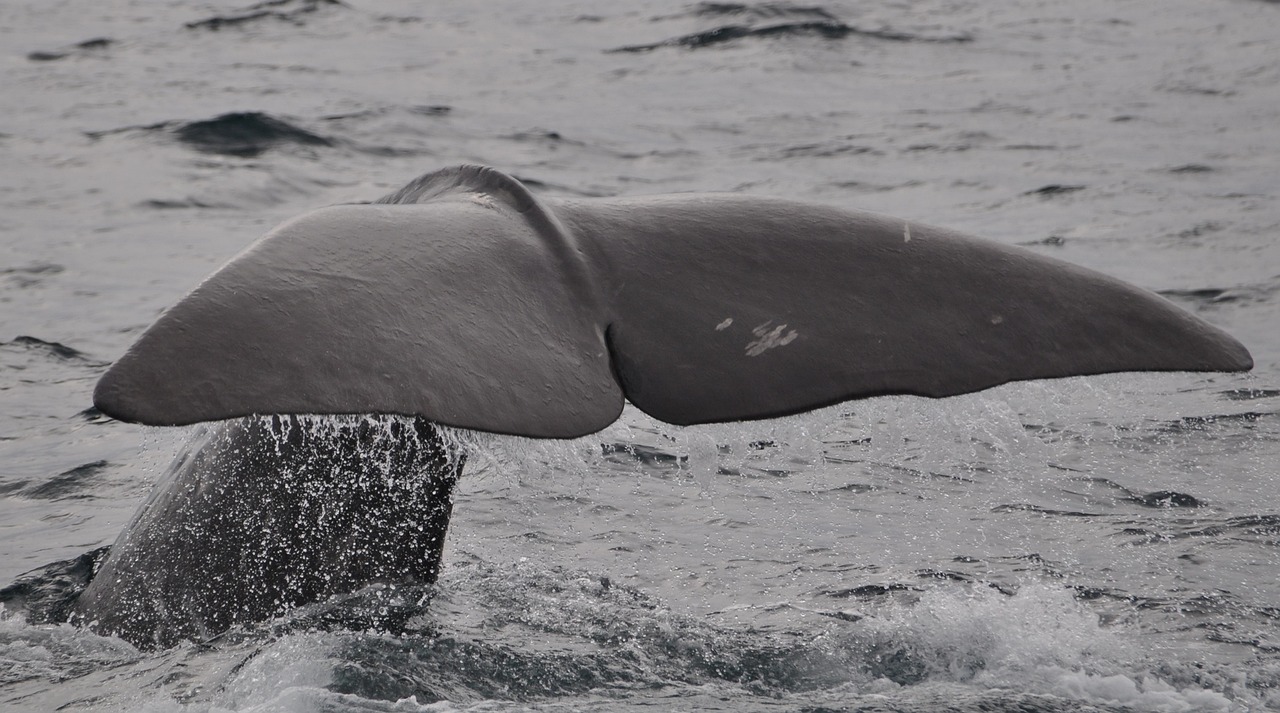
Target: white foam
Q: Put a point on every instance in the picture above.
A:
(289, 675)
(53, 651)
(1040, 641)
(1145, 694)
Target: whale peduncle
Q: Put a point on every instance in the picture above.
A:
(263, 514)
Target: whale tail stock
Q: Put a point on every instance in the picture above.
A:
(465, 300)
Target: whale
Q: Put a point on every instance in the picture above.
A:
(327, 363)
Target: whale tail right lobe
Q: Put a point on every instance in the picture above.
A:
(739, 307)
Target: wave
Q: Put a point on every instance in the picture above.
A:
(291, 11)
(244, 134)
(826, 29)
(54, 350)
(84, 48)
(503, 637)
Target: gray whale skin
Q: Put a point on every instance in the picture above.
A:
(465, 301)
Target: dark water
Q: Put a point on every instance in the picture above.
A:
(1085, 544)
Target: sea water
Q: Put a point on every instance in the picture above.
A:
(1108, 543)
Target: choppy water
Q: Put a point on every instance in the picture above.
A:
(1107, 543)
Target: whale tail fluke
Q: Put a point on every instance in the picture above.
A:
(467, 301)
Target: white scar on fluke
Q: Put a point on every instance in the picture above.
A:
(767, 339)
(463, 300)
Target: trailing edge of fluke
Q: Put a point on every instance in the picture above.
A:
(463, 299)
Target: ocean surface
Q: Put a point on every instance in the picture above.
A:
(1108, 543)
